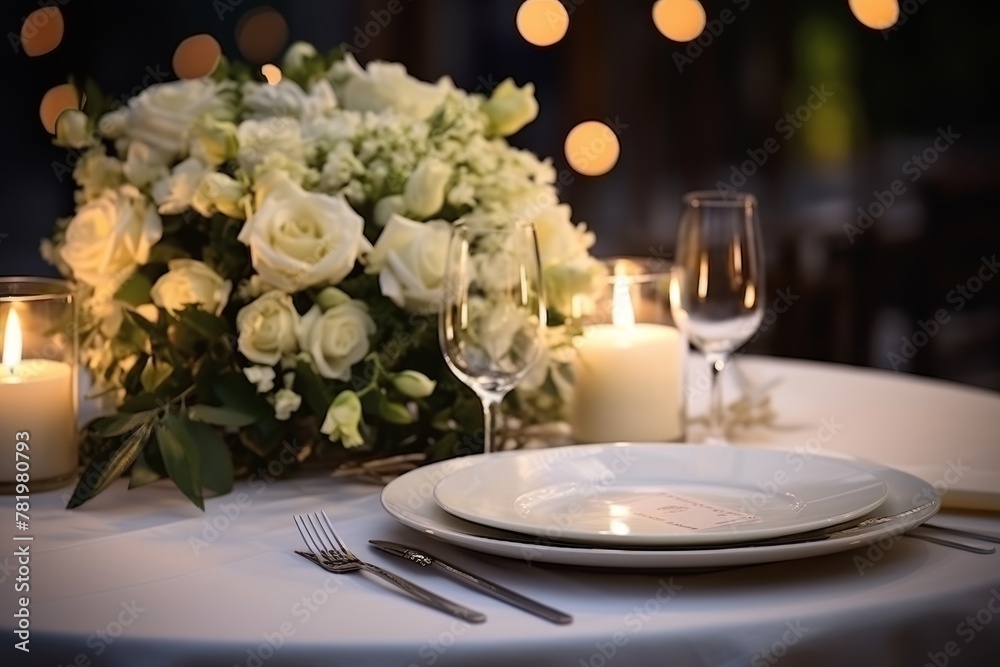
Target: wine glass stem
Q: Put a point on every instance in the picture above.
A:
(490, 403)
(716, 433)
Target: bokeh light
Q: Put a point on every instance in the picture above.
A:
(197, 56)
(55, 101)
(592, 148)
(542, 22)
(42, 31)
(261, 34)
(272, 73)
(875, 14)
(679, 20)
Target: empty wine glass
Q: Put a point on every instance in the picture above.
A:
(492, 319)
(717, 285)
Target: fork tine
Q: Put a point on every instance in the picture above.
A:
(331, 531)
(307, 535)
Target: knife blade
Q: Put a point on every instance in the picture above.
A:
(424, 559)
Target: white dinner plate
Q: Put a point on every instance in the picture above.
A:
(629, 494)
(410, 499)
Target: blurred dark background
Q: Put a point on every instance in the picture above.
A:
(687, 116)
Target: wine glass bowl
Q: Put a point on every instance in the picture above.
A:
(717, 284)
(492, 317)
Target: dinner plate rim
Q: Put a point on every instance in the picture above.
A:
(417, 510)
(458, 503)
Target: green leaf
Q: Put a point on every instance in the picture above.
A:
(103, 470)
(133, 379)
(143, 324)
(143, 472)
(236, 393)
(263, 437)
(313, 388)
(140, 403)
(122, 424)
(216, 461)
(135, 290)
(207, 325)
(163, 253)
(208, 414)
(181, 456)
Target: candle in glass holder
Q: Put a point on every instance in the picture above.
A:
(37, 407)
(628, 377)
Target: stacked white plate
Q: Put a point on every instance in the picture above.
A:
(651, 505)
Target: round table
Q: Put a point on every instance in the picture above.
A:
(144, 578)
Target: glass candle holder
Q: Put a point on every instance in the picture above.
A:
(39, 361)
(629, 362)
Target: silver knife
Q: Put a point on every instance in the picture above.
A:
(425, 559)
(432, 599)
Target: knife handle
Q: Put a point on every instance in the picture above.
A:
(507, 595)
(427, 597)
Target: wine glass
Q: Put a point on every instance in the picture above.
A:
(492, 319)
(717, 285)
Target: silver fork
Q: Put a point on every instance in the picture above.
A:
(333, 555)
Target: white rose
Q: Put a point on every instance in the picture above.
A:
(261, 377)
(342, 420)
(218, 192)
(278, 170)
(559, 240)
(425, 188)
(413, 384)
(110, 237)
(286, 403)
(259, 139)
(73, 130)
(264, 100)
(510, 108)
(410, 260)
(388, 207)
(95, 173)
(175, 192)
(571, 287)
(162, 115)
(387, 86)
(213, 141)
(191, 283)
(287, 98)
(143, 165)
(297, 55)
(298, 239)
(338, 338)
(268, 328)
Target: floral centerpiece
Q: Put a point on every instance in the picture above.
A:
(260, 266)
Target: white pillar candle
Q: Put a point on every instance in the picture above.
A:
(628, 384)
(36, 397)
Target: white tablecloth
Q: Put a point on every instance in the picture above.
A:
(144, 578)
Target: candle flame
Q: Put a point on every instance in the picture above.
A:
(622, 313)
(13, 345)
